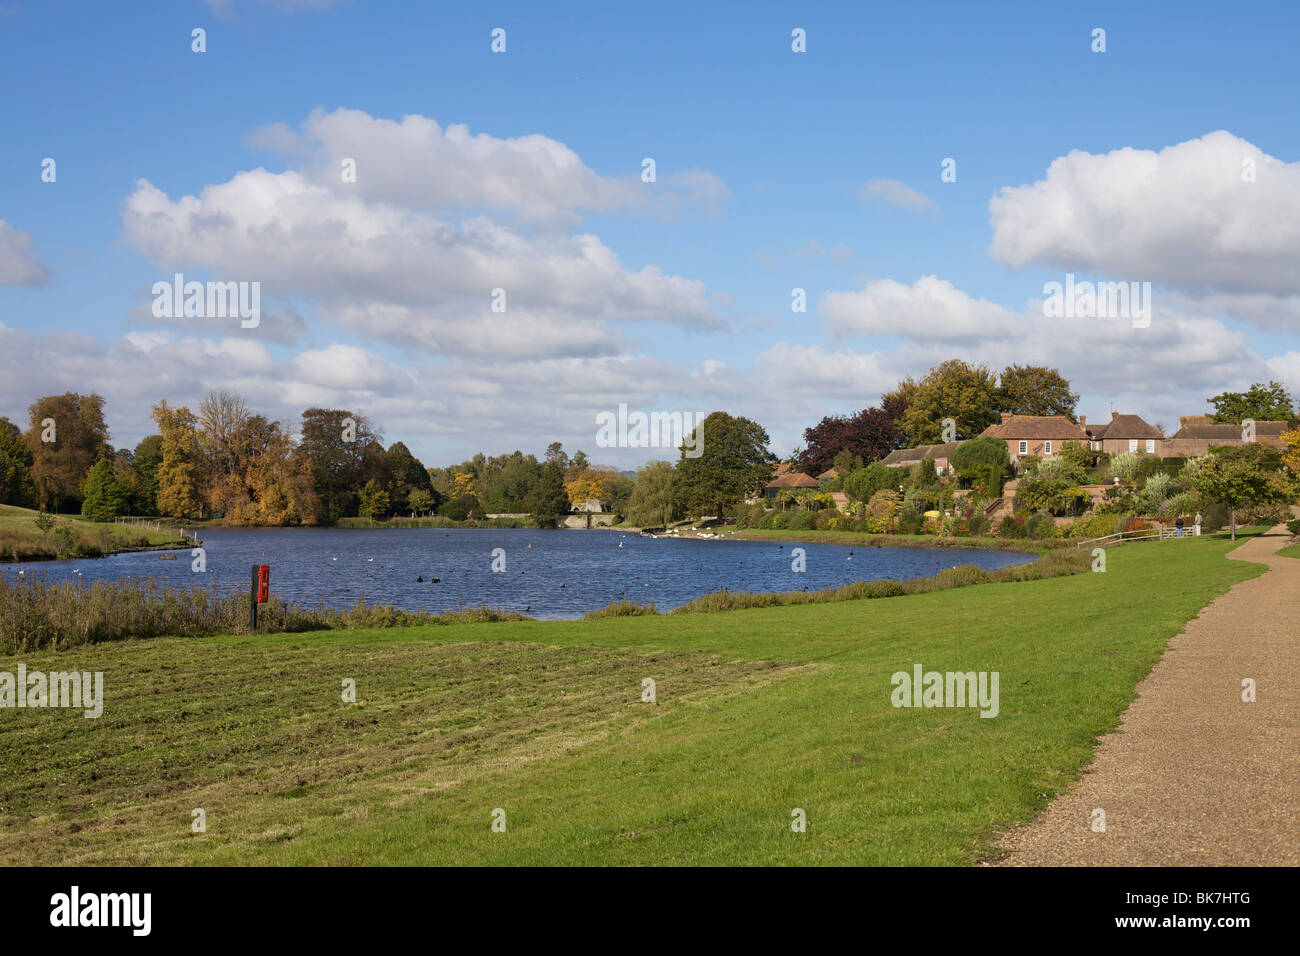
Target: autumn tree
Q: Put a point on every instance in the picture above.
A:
(870, 435)
(180, 473)
(67, 435)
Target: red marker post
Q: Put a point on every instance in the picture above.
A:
(259, 592)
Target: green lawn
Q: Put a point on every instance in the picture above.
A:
(1290, 551)
(20, 539)
(758, 712)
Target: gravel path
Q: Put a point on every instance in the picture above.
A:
(1193, 775)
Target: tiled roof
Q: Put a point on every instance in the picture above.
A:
(1229, 432)
(1122, 427)
(793, 479)
(921, 453)
(1036, 427)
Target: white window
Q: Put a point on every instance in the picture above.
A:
(1047, 448)
(1132, 444)
(1151, 446)
(1024, 448)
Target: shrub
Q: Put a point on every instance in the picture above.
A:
(1293, 526)
(1040, 526)
(1124, 465)
(1011, 527)
(1095, 525)
(36, 615)
(621, 609)
(1053, 564)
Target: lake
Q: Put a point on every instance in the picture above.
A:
(548, 574)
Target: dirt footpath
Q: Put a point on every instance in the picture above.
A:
(1194, 775)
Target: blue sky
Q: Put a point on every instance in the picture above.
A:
(682, 298)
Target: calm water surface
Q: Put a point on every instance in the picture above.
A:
(549, 574)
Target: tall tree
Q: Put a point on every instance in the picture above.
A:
(548, 502)
(1238, 477)
(333, 445)
(146, 460)
(67, 435)
(1260, 402)
(734, 464)
(953, 390)
(16, 486)
(180, 474)
(1036, 390)
(871, 434)
(102, 495)
(651, 502)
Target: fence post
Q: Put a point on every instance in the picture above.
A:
(252, 601)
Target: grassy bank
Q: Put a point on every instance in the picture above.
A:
(863, 540)
(757, 712)
(73, 537)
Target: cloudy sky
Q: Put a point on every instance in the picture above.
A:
(1171, 158)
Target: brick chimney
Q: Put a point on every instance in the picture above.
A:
(1083, 422)
(1114, 416)
(1006, 417)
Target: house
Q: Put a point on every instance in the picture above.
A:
(828, 475)
(910, 457)
(1197, 434)
(794, 480)
(1042, 436)
(1124, 433)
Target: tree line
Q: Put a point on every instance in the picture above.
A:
(225, 460)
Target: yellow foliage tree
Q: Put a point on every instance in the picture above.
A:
(1292, 455)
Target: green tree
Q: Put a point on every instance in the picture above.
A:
(1237, 477)
(651, 502)
(16, 487)
(548, 502)
(1260, 402)
(67, 434)
(1036, 390)
(862, 484)
(734, 463)
(420, 501)
(146, 460)
(102, 495)
(967, 394)
(374, 501)
(333, 446)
